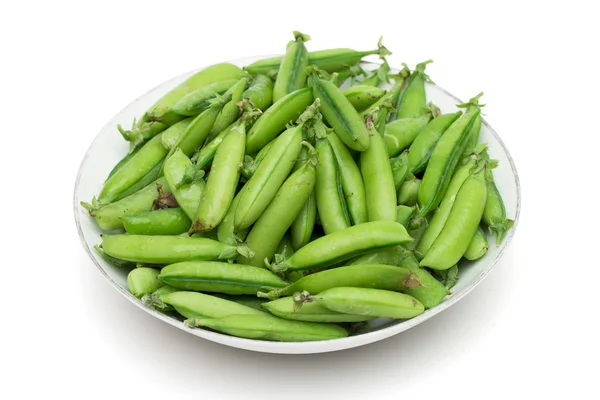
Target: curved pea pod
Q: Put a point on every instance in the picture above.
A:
(291, 75)
(344, 245)
(268, 327)
(421, 148)
(413, 99)
(270, 228)
(225, 230)
(369, 302)
(110, 216)
(260, 92)
(352, 181)
(375, 276)
(477, 247)
(470, 106)
(311, 312)
(153, 174)
(404, 214)
(461, 225)
(443, 162)
(399, 166)
(170, 221)
(250, 164)
(122, 162)
(193, 304)
(494, 214)
(431, 292)
(409, 191)
(221, 277)
(275, 118)
(303, 226)
(141, 281)
(340, 114)
(232, 110)
(187, 185)
(197, 101)
(161, 249)
(363, 96)
(401, 133)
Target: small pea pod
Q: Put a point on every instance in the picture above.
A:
(470, 106)
(344, 245)
(494, 215)
(401, 133)
(186, 184)
(292, 74)
(193, 304)
(404, 214)
(303, 226)
(260, 92)
(369, 302)
(421, 148)
(462, 223)
(431, 292)
(250, 164)
(477, 247)
(170, 221)
(409, 191)
(197, 101)
(153, 174)
(310, 312)
(141, 281)
(161, 249)
(221, 277)
(225, 230)
(413, 99)
(232, 110)
(272, 328)
(363, 96)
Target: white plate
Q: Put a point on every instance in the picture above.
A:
(109, 147)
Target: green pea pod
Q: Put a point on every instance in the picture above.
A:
(443, 162)
(421, 148)
(269, 327)
(154, 299)
(388, 256)
(204, 157)
(161, 249)
(409, 191)
(150, 176)
(123, 161)
(186, 186)
(171, 221)
(245, 300)
(250, 164)
(477, 247)
(344, 245)
(462, 223)
(416, 228)
(110, 217)
(431, 292)
(369, 302)
(378, 178)
(303, 226)
(232, 110)
(339, 78)
(260, 92)
(352, 181)
(399, 166)
(363, 96)
(472, 105)
(449, 277)
(292, 76)
(385, 105)
(221, 277)
(401, 133)
(197, 101)
(270, 228)
(494, 215)
(112, 260)
(276, 118)
(309, 312)
(285, 247)
(193, 304)
(414, 99)
(340, 114)
(225, 231)
(141, 281)
(404, 214)
(381, 74)
(141, 133)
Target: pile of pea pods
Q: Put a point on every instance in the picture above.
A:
(268, 203)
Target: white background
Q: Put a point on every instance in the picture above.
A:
(530, 329)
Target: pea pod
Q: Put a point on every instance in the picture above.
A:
(285, 247)
(161, 249)
(268, 327)
(494, 214)
(344, 245)
(225, 230)
(413, 99)
(401, 133)
(303, 226)
(379, 75)
(275, 118)
(187, 185)
(250, 164)
(193, 304)
(154, 299)
(404, 214)
(431, 292)
(245, 300)
(416, 228)
(171, 221)
(470, 106)
(141, 281)
(291, 75)
(232, 110)
(409, 191)
(310, 312)
(363, 96)
(399, 166)
(221, 277)
(369, 302)
(449, 277)
(462, 223)
(421, 148)
(443, 162)
(197, 101)
(260, 92)
(340, 77)
(388, 256)
(204, 157)
(140, 133)
(153, 174)
(477, 247)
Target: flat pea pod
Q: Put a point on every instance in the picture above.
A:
(225, 230)
(138, 165)
(352, 181)
(197, 101)
(221, 277)
(340, 114)
(274, 120)
(310, 312)
(204, 157)
(471, 105)
(477, 247)
(494, 214)
(292, 74)
(170, 221)
(194, 304)
(375, 276)
(401, 133)
(363, 96)
(250, 164)
(329, 194)
(304, 224)
(268, 327)
(414, 99)
(409, 191)
(232, 110)
(260, 92)
(344, 245)
(141, 281)
(161, 249)
(443, 162)
(431, 292)
(379, 180)
(110, 216)
(271, 226)
(186, 185)
(370, 302)
(399, 166)
(421, 148)
(462, 223)
(404, 214)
